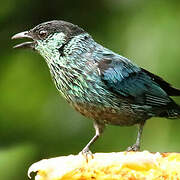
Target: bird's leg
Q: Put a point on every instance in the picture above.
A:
(99, 127)
(136, 146)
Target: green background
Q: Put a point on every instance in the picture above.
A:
(36, 122)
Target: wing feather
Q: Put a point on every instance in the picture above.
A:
(128, 80)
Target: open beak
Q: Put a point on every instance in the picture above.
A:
(28, 44)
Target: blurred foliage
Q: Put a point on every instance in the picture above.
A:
(36, 122)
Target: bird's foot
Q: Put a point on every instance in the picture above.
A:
(87, 154)
(134, 147)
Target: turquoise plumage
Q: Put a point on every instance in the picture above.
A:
(99, 83)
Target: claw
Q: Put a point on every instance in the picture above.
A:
(135, 147)
(87, 153)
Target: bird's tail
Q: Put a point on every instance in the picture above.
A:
(171, 91)
(172, 112)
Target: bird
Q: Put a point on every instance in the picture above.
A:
(100, 84)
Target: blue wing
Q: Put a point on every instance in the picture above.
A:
(127, 80)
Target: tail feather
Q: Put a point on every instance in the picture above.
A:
(173, 112)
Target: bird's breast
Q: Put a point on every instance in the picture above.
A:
(77, 83)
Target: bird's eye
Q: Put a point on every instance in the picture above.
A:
(43, 34)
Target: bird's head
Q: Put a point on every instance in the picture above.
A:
(49, 36)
